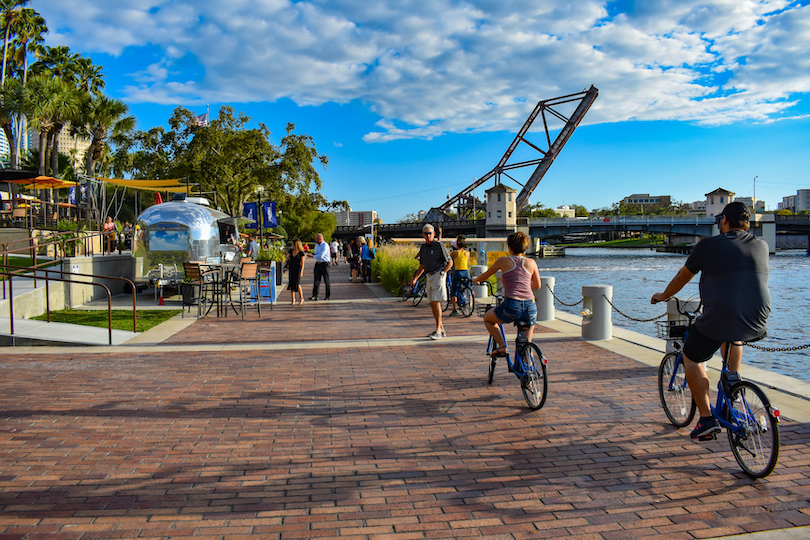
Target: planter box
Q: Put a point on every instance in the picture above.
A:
(190, 294)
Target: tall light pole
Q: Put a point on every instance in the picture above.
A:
(260, 214)
(755, 194)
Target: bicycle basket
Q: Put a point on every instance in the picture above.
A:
(675, 329)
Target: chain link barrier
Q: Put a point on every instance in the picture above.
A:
(778, 349)
(560, 301)
(628, 316)
(620, 312)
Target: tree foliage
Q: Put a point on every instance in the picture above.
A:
(232, 163)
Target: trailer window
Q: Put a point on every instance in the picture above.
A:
(168, 240)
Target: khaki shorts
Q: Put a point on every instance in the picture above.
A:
(436, 287)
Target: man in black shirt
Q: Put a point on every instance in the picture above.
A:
(736, 300)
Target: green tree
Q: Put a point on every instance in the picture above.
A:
(101, 117)
(10, 11)
(231, 160)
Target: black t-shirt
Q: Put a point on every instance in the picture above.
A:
(433, 256)
(733, 285)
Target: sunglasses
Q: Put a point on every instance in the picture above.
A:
(427, 233)
(718, 219)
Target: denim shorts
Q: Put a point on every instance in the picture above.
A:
(511, 310)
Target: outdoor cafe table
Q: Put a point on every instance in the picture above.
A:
(223, 283)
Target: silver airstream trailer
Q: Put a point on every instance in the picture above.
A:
(172, 233)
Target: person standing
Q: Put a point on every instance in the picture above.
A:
(736, 302)
(366, 256)
(252, 249)
(461, 270)
(110, 234)
(435, 261)
(333, 248)
(295, 263)
(322, 261)
(355, 263)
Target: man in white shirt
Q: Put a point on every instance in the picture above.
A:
(334, 247)
(322, 260)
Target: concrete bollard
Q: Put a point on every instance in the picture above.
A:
(597, 320)
(544, 299)
(480, 291)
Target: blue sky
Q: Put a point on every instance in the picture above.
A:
(412, 100)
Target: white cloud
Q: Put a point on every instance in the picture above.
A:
(429, 68)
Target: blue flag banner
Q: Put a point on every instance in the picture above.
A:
(250, 211)
(269, 215)
(72, 195)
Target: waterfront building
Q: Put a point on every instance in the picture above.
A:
(717, 200)
(647, 201)
(698, 207)
(796, 203)
(355, 219)
(565, 211)
(752, 202)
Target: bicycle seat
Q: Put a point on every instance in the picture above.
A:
(522, 326)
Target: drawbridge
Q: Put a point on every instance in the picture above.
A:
(465, 202)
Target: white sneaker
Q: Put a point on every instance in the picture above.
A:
(436, 335)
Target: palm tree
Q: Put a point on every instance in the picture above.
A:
(9, 11)
(12, 102)
(88, 77)
(101, 117)
(47, 101)
(28, 29)
(57, 61)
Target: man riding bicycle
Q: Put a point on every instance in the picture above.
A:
(735, 297)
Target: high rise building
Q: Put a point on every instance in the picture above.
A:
(75, 147)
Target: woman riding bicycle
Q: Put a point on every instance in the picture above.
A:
(519, 276)
(461, 270)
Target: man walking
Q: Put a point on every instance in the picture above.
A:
(434, 260)
(736, 302)
(322, 260)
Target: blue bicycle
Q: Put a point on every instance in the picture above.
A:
(751, 422)
(529, 364)
(465, 299)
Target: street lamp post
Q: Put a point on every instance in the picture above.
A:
(259, 214)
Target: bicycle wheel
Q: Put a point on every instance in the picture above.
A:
(676, 398)
(406, 292)
(466, 301)
(754, 439)
(492, 363)
(534, 382)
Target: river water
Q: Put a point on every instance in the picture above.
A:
(636, 274)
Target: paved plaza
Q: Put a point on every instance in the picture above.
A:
(340, 419)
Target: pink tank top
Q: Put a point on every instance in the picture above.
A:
(517, 282)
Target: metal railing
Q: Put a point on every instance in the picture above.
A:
(47, 280)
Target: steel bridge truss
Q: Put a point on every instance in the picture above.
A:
(466, 202)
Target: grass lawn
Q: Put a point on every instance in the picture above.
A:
(121, 318)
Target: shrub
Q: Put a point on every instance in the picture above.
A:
(394, 265)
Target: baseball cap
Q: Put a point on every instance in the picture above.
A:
(735, 212)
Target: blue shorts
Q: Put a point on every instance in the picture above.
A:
(459, 275)
(511, 310)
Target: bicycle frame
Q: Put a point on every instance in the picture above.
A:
(515, 365)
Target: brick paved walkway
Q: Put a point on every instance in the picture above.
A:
(403, 441)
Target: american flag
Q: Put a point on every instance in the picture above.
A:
(201, 120)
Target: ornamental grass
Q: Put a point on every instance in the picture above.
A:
(394, 266)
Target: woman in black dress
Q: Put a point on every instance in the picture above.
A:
(295, 264)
